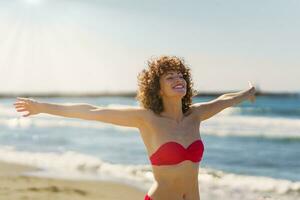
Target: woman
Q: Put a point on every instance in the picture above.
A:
(167, 120)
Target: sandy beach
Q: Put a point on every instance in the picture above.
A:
(15, 186)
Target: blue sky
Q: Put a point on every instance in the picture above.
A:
(101, 45)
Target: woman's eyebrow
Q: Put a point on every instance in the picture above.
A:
(173, 73)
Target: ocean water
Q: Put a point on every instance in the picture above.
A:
(253, 148)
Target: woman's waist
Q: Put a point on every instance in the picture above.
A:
(173, 179)
(173, 182)
(175, 174)
(176, 191)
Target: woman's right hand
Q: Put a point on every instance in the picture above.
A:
(27, 105)
(252, 92)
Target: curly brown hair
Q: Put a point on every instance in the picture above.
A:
(148, 82)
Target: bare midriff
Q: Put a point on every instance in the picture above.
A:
(176, 182)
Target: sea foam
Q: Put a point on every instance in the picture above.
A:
(213, 183)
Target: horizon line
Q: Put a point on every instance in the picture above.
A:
(134, 93)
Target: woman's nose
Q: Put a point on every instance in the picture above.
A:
(178, 79)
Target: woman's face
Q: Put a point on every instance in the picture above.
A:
(172, 84)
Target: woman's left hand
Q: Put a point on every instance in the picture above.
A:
(252, 91)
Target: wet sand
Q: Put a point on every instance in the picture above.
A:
(15, 186)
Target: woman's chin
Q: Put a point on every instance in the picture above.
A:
(179, 94)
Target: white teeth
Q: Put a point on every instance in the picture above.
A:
(179, 86)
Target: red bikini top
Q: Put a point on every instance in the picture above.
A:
(172, 153)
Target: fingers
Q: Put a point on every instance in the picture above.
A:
(252, 88)
(252, 94)
(24, 110)
(26, 115)
(250, 85)
(21, 110)
(22, 98)
(19, 104)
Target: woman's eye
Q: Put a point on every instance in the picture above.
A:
(172, 77)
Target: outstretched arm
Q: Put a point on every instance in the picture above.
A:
(206, 110)
(131, 116)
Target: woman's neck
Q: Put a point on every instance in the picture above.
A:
(172, 109)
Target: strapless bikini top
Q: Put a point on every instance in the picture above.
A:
(172, 153)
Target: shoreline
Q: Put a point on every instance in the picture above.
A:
(133, 94)
(15, 185)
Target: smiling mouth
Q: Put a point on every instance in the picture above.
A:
(180, 86)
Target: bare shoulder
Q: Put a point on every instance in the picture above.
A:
(146, 115)
(193, 110)
(199, 108)
(149, 114)
(148, 120)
